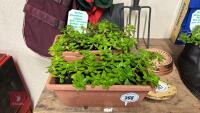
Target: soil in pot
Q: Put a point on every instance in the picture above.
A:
(67, 80)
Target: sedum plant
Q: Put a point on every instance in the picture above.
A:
(111, 69)
(194, 38)
(107, 68)
(104, 36)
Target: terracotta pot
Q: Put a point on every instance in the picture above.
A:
(72, 56)
(98, 97)
(166, 66)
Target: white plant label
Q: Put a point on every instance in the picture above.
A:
(129, 97)
(77, 19)
(162, 87)
(107, 110)
(195, 20)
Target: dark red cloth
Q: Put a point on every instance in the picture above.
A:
(43, 22)
(89, 1)
(95, 14)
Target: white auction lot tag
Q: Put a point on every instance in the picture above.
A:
(162, 87)
(77, 19)
(107, 110)
(195, 19)
(129, 97)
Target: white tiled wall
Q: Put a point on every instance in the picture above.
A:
(33, 66)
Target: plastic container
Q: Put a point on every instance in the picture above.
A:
(115, 96)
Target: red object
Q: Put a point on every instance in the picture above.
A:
(89, 1)
(95, 14)
(3, 59)
(17, 98)
(14, 96)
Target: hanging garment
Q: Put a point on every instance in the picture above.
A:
(43, 21)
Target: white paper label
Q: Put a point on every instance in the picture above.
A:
(129, 97)
(195, 20)
(108, 110)
(77, 19)
(162, 87)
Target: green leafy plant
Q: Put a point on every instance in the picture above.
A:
(111, 69)
(194, 38)
(104, 36)
(107, 68)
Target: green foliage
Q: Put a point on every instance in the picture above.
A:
(59, 46)
(194, 38)
(107, 68)
(129, 68)
(104, 36)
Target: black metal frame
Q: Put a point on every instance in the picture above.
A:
(137, 7)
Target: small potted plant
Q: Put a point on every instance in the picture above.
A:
(189, 61)
(104, 79)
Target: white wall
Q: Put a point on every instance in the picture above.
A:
(33, 66)
(164, 13)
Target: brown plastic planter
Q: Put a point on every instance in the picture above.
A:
(97, 97)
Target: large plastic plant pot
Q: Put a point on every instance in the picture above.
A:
(189, 67)
(115, 96)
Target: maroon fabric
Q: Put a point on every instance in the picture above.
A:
(43, 16)
(43, 21)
